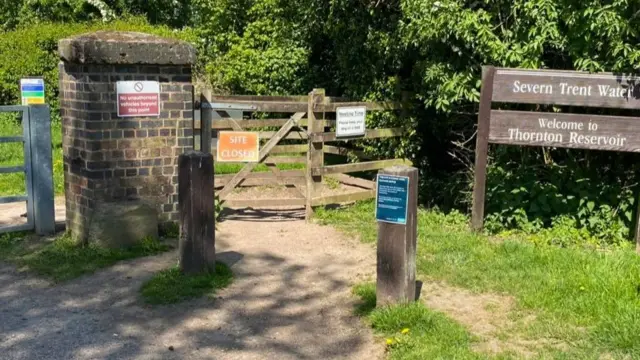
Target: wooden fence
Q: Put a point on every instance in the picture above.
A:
(307, 141)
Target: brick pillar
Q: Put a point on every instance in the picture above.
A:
(115, 159)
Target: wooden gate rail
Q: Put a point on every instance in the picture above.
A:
(264, 202)
(342, 151)
(357, 167)
(344, 198)
(275, 160)
(286, 177)
(369, 134)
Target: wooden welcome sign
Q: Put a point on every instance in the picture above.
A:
(552, 87)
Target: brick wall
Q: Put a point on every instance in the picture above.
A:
(107, 158)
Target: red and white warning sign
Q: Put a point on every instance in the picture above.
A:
(138, 98)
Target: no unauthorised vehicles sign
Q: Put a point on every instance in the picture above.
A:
(138, 98)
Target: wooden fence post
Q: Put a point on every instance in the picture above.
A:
(482, 148)
(315, 156)
(396, 250)
(636, 219)
(197, 213)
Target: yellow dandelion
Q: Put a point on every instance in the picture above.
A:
(389, 341)
(405, 331)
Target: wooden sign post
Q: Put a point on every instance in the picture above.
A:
(397, 216)
(551, 87)
(197, 213)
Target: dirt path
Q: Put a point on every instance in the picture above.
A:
(16, 213)
(290, 300)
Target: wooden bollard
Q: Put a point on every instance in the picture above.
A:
(396, 213)
(197, 212)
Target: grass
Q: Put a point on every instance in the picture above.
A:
(61, 259)
(12, 154)
(222, 168)
(413, 331)
(172, 286)
(586, 298)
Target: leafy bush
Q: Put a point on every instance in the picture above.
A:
(32, 51)
(14, 13)
(529, 195)
(254, 47)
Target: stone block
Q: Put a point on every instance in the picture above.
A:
(122, 224)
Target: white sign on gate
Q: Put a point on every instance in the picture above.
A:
(350, 121)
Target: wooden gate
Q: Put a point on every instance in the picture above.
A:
(304, 132)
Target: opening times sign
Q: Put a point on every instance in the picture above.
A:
(138, 98)
(350, 121)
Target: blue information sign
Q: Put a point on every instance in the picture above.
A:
(392, 197)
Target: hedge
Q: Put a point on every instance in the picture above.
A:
(32, 51)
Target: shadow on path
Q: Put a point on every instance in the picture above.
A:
(262, 214)
(290, 299)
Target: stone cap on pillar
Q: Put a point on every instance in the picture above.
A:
(126, 48)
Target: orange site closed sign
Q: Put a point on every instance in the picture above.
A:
(238, 146)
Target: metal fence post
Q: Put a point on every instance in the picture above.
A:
(206, 116)
(42, 169)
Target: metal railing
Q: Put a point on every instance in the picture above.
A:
(37, 167)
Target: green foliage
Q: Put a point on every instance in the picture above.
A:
(15, 13)
(9, 10)
(63, 11)
(173, 13)
(32, 51)
(367, 294)
(253, 47)
(62, 259)
(528, 197)
(218, 207)
(172, 286)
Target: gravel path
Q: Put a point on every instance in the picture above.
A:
(290, 300)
